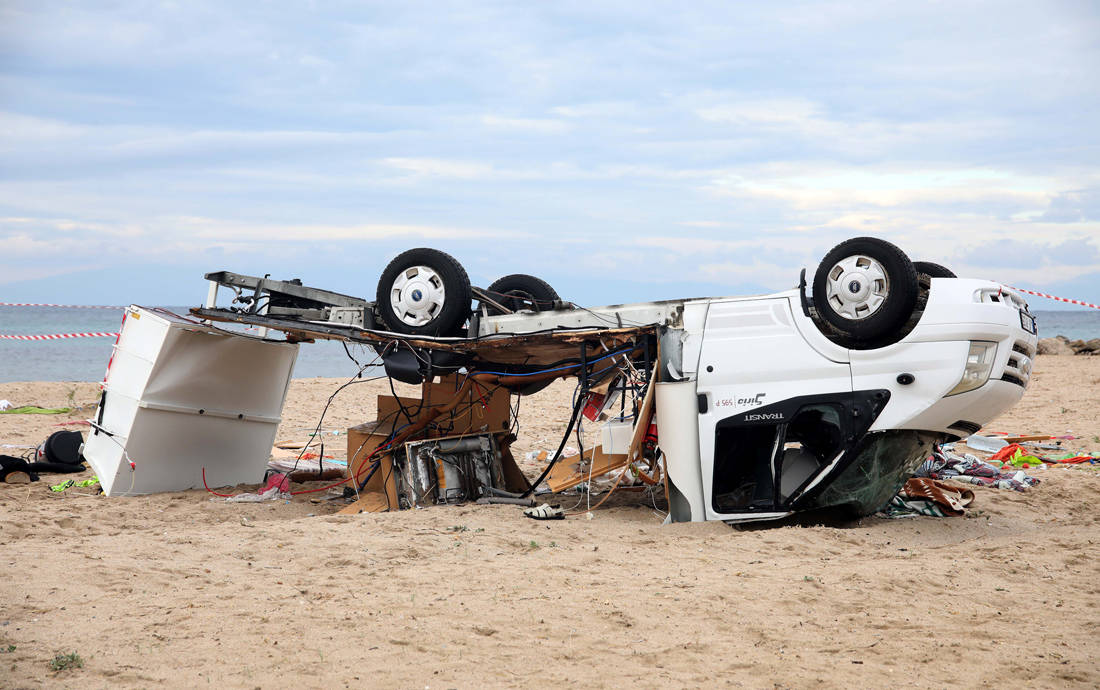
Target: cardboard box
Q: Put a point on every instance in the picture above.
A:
(362, 441)
(481, 409)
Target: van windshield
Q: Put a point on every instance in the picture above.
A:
(884, 460)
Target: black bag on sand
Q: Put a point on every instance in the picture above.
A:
(63, 447)
(60, 454)
(16, 470)
(19, 471)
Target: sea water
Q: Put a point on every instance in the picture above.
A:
(85, 359)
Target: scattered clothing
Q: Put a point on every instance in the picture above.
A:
(924, 496)
(1014, 454)
(69, 483)
(1072, 459)
(945, 464)
(34, 409)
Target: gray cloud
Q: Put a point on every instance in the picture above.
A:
(1074, 207)
(1018, 253)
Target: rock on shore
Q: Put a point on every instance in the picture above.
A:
(1061, 345)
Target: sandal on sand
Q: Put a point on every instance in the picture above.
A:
(545, 512)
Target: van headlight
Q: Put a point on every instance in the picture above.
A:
(979, 365)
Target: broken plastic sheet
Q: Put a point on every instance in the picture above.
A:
(276, 488)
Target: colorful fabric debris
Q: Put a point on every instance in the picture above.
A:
(1072, 458)
(33, 409)
(923, 496)
(69, 483)
(945, 464)
(1013, 454)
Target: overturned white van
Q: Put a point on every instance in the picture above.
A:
(764, 406)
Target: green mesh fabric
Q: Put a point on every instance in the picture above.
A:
(880, 469)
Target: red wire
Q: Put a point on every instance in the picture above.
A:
(481, 395)
(211, 490)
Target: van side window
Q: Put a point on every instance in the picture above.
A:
(742, 468)
(813, 439)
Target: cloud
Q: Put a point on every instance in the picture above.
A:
(1073, 206)
(435, 167)
(525, 124)
(621, 138)
(218, 229)
(885, 186)
(1036, 253)
(854, 136)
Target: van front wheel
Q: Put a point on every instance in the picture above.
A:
(866, 288)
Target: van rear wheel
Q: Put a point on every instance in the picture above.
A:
(521, 291)
(933, 270)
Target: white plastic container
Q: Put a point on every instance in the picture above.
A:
(181, 397)
(616, 436)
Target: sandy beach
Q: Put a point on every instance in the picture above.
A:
(186, 590)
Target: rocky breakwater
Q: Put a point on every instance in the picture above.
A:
(1061, 345)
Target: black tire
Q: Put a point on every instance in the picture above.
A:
(446, 280)
(872, 296)
(521, 291)
(933, 270)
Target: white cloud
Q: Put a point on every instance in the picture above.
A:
(16, 127)
(810, 186)
(809, 124)
(525, 124)
(436, 167)
(770, 275)
(694, 245)
(215, 229)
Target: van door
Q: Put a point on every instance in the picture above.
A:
(753, 358)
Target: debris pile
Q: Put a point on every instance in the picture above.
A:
(1001, 464)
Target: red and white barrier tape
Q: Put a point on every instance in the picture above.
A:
(58, 336)
(63, 306)
(1060, 299)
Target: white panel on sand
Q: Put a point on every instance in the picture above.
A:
(181, 396)
(678, 431)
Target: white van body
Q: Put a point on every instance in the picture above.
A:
(738, 372)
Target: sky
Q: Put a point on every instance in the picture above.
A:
(622, 151)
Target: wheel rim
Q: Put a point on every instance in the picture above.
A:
(857, 287)
(417, 295)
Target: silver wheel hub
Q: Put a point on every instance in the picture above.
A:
(417, 295)
(856, 287)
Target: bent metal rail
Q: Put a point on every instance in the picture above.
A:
(537, 348)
